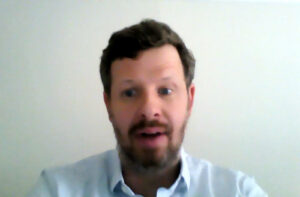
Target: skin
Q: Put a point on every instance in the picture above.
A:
(150, 87)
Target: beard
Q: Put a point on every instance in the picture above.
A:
(147, 161)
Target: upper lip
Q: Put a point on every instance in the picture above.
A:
(150, 130)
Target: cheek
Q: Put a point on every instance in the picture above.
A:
(178, 120)
(178, 115)
(122, 119)
(178, 109)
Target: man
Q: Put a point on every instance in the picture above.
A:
(147, 74)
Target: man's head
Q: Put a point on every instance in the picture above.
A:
(147, 75)
(148, 34)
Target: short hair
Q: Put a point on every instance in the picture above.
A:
(131, 40)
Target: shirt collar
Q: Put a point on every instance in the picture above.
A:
(184, 171)
(117, 177)
(115, 171)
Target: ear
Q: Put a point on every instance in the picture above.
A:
(191, 94)
(106, 99)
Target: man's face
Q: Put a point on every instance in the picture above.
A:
(149, 105)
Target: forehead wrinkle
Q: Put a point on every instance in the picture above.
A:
(129, 81)
(161, 73)
(167, 78)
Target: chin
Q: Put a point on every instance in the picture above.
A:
(148, 161)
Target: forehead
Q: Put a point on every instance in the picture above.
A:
(153, 63)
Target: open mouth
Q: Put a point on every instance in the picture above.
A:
(150, 135)
(150, 132)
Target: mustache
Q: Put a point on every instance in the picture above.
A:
(144, 123)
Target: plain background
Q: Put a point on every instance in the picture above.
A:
(247, 110)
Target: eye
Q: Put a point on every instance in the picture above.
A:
(129, 93)
(164, 91)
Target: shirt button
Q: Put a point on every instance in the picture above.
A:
(163, 192)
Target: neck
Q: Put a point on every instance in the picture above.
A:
(146, 184)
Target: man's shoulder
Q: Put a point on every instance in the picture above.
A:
(85, 177)
(216, 180)
(89, 168)
(206, 167)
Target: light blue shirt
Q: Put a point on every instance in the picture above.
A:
(101, 176)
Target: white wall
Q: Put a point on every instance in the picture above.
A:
(247, 110)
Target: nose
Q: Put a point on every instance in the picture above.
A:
(150, 107)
